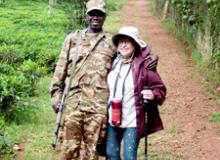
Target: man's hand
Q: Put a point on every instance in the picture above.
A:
(151, 62)
(55, 106)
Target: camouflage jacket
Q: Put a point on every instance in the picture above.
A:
(88, 87)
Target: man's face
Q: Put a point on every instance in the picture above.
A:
(96, 20)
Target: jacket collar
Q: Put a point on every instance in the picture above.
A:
(142, 56)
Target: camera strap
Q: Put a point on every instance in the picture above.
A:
(123, 85)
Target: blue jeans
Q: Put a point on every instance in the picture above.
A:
(130, 143)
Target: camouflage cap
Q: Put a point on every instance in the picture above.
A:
(96, 5)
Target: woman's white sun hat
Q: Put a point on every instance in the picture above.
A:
(131, 32)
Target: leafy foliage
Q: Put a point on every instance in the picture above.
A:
(193, 17)
(76, 11)
(200, 14)
(214, 15)
(16, 84)
(29, 46)
(30, 43)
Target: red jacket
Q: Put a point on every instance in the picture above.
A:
(143, 77)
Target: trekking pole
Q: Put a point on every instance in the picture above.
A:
(145, 105)
(145, 149)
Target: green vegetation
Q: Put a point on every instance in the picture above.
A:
(199, 17)
(30, 43)
(36, 129)
(215, 117)
(186, 19)
(112, 21)
(163, 154)
(29, 47)
(173, 129)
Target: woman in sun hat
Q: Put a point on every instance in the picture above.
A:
(126, 81)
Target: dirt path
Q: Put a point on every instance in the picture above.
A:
(188, 132)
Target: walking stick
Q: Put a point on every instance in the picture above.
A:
(145, 148)
(145, 145)
(145, 105)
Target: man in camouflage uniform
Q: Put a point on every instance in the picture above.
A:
(85, 108)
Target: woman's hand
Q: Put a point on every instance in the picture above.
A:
(147, 94)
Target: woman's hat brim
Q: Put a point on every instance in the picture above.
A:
(117, 36)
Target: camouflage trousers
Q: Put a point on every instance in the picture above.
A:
(82, 132)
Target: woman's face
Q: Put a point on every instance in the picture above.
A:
(126, 47)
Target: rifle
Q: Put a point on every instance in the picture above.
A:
(66, 90)
(58, 119)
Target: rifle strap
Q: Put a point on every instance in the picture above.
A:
(90, 50)
(74, 59)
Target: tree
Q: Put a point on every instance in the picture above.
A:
(50, 7)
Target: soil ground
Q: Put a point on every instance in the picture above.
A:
(188, 133)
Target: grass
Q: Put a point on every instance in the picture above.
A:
(157, 152)
(174, 129)
(41, 132)
(113, 19)
(38, 132)
(208, 77)
(112, 22)
(215, 117)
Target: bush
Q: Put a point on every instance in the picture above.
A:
(111, 5)
(30, 43)
(15, 84)
(28, 33)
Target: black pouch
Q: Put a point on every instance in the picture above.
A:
(101, 148)
(102, 145)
